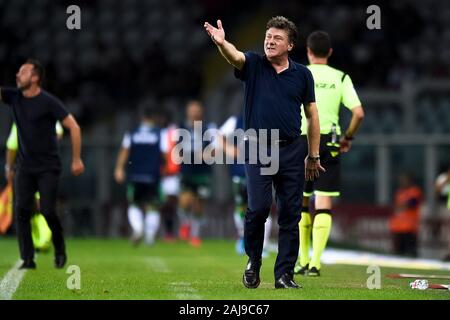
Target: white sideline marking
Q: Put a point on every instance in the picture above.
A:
(339, 256)
(157, 264)
(184, 291)
(11, 281)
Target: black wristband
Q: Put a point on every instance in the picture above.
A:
(316, 158)
(349, 138)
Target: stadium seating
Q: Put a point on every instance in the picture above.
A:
(115, 36)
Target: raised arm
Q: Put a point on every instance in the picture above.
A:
(312, 166)
(71, 124)
(228, 50)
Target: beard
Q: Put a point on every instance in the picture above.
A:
(22, 86)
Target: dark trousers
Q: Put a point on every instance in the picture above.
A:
(169, 211)
(25, 186)
(288, 184)
(405, 244)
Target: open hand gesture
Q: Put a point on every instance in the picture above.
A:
(312, 169)
(217, 34)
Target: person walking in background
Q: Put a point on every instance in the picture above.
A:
(195, 177)
(35, 113)
(139, 163)
(404, 224)
(333, 87)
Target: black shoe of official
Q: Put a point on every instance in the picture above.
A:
(301, 270)
(28, 264)
(251, 279)
(60, 260)
(313, 272)
(286, 281)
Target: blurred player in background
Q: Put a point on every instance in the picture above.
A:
(443, 190)
(139, 163)
(195, 178)
(170, 183)
(404, 224)
(333, 88)
(237, 171)
(40, 232)
(35, 113)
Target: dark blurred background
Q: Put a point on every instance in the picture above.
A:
(129, 52)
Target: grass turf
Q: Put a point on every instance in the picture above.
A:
(112, 269)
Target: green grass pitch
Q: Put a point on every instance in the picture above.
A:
(112, 269)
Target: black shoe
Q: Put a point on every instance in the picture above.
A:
(251, 279)
(60, 260)
(301, 270)
(136, 240)
(28, 264)
(286, 281)
(313, 272)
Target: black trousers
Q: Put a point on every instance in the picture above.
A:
(405, 244)
(288, 183)
(26, 184)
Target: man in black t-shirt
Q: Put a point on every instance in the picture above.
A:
(36, 112)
